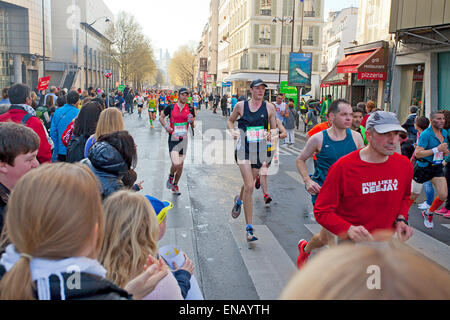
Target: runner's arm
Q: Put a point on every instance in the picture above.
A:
(359, 142)
(312, 146)
(272, 120)
(233, 118)
(283, 133)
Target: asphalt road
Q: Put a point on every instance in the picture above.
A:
(201, 222)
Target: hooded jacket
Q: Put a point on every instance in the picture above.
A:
(109, 167)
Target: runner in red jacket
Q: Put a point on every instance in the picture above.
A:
(368, 191)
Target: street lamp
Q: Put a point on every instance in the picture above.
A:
(282, 20)
(86, 32)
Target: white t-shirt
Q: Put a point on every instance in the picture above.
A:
(140, 101)
(281, 110)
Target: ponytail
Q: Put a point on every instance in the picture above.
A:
(17, 284)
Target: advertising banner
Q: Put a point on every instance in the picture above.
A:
(300, 67)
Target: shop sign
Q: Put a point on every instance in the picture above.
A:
(372, 76)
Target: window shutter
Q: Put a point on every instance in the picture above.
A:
(318, 8)
(272, 61)
(299, 30)
(273, 35)
(315, 63)
(287, 35)
(257, 7)
(316, 36)
(256, 34)
(274, 8)
(255, 61)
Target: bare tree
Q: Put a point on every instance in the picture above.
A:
(182, 67)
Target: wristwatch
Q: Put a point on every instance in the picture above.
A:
(401, 220)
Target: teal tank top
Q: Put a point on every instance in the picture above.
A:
(331, 152)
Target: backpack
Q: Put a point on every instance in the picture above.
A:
(75, 149)
(312, 118)
(43, 114)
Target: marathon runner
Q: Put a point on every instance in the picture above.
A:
(254, 118)
(329, 146)
(196, 100)
(366, 194)
(262, 181)
(282, 113)
(162, 100)
(180, 118)
(140, 102)
(152, 109)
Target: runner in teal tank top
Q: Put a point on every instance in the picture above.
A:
(329, 146)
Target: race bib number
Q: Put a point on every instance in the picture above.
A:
(255, 134)
(438, 158)
(180, 129)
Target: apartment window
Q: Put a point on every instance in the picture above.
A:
(312, 8)
(263, 61)
(244, 61)
(266, 7)
(264, 34)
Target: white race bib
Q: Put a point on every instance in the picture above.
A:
(255, 134)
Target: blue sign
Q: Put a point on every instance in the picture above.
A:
(226, 84)
(300, 68)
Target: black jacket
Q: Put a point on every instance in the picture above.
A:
(409, 126)
(92, 288)
(109, 167)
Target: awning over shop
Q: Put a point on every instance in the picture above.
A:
(369, 65)
(334, 79)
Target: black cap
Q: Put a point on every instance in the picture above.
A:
(183, 90)
(258, 83)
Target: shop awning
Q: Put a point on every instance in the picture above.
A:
(334, 79)
(369, 65)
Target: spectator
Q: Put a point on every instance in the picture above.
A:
(44, 112)
(370, 108)
(54, 93)
(34, 100)
(110, 121)
(311, 117)
(358, 116)
(61, 119)
(409, 125)
(21, 112)
(57, 232)
(110, 159)
(445, 211)
(344, 272)
(18, 150)
(84, 127)
(224, 105)
(131, 225)
(290, 125)
(5, 99)
(234, 102)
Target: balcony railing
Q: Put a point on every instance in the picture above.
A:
(310, 14)
(308, 42)
(264, 41)
(266, 12)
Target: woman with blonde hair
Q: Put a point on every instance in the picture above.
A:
(55, 238)
(367, 272)
(110, 121)
(131, 235)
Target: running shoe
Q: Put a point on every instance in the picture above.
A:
(303, 256)
(251, 235)
(175, 190)
(428, 219)
(424, 206)
(442, 212)
(267, 199)
(236, 212)
(170, 182)
(258, 183)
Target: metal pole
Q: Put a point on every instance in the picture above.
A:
(43, 36)
(301, 33)
(281, 48)
(85, 30)
(293, 27)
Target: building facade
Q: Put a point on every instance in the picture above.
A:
(421, 70)
(373, 21)
(81, 52)
(25, 30)
(249, 41)
(213, 46)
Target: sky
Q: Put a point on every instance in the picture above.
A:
(172, 23)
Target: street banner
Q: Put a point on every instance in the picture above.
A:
(172, 254)
(43, 83)
(289, 92)
(203, 64)
(226, 84)
(300, 67)
(121, 88)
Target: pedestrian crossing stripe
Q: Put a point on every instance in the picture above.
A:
(446, 225)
